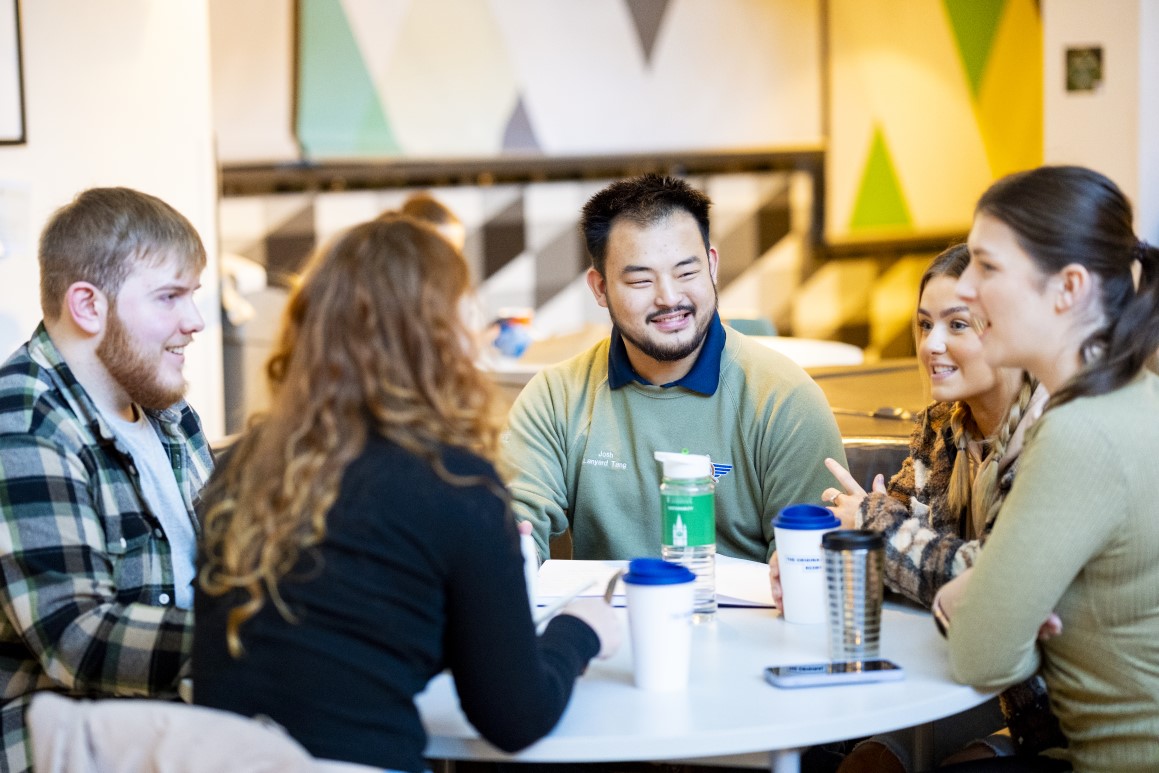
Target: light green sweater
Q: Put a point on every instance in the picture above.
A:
(578, 453)
(1078, 534)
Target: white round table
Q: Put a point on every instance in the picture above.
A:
(813, 352)
(806, 352)
(728, 708)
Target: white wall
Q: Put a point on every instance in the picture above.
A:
(1113, 129)
(116, 93)
(1147, 204)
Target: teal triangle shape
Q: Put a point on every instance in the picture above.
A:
(880, 201)
(974, 24)
(339, 112)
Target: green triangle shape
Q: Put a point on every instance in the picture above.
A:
(880, 201)
(339, 113)
(974, 24)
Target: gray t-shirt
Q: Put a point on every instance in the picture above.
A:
(159, 486)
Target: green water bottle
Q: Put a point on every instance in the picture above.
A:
(688, 524)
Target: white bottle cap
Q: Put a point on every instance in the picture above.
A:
(684, 465)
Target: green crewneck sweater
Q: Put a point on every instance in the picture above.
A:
(579, 454)
(1079, 535)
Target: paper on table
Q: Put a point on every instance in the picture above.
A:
(557, 578)
(739, 583)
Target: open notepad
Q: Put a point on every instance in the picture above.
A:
(739, 583)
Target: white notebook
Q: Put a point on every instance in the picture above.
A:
(739, 583)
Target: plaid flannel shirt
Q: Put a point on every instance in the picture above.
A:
(87, 596)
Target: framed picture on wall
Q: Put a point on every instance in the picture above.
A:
(11, 75)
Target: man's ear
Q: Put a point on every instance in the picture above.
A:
(598, 286)
(87, 306)
(713, 262)
(1074, 287)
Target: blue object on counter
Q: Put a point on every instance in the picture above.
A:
(513, 337)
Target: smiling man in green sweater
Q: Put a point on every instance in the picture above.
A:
(580, 437)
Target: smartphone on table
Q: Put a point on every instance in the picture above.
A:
(820, 674)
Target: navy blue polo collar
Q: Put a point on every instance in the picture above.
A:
(704, 377)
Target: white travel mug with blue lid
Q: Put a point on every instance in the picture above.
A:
(797, 530)
(660, 597)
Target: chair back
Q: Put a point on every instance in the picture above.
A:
(137, 735)
(871, 455)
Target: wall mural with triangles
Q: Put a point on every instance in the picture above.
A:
(483, 78)
(929, 101)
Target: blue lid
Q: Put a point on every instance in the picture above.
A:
(806, 517)
(656, 571)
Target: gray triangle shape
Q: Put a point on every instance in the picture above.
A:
(559, 262)
(288, 246)
(647, 15)
(504, 238)
(519, 135)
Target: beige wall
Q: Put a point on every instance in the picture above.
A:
(1114, 129)
(116, 93)
(252, 60)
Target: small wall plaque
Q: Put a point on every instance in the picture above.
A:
(1084, 68)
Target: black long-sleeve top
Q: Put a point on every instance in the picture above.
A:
(415, 575)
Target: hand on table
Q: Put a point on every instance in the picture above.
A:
(775, 582)
(846, 504)
(951, 594)
(599, 616)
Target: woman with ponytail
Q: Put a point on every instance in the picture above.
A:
(939, 508)
(357, 540)
(1064, 289)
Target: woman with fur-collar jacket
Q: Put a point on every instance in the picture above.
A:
(931, 537)
(938, 510)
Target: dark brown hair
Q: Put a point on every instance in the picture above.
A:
(643, 200)
(1068, 214)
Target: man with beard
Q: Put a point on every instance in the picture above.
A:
(101, 461)
(580, 439)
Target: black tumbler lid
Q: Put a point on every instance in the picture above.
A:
(852, 539)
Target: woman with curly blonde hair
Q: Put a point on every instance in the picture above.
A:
(356, 541)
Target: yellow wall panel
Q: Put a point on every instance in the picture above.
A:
(1010, 101)
(895, 64)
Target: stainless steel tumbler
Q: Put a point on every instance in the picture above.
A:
(854, 583)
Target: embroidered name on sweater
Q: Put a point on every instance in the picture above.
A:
(605, 459)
